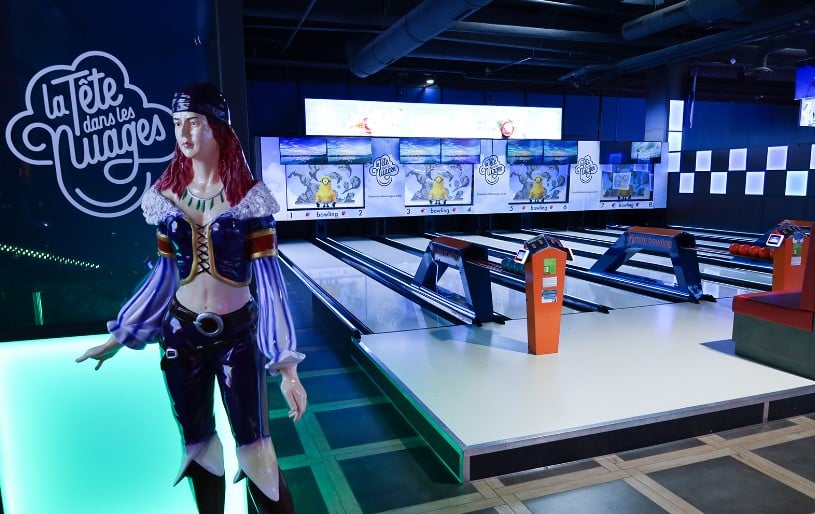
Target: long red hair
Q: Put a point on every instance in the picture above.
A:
(235, 173)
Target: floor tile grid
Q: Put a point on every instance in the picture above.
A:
(740, 448)
(318, 454)
(493, 494)
(323, 460)
(635, 472)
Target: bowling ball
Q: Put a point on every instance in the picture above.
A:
(765, 253)
(734, 249)
(755, 251)
(744, 250)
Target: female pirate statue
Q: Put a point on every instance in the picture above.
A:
(216, 238)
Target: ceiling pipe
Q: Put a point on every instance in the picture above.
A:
(266, 13)
(477, 28)
(255, 61)
(299, 24)
(689, 11)
(424, 22)
(530, 60)
(758, 31)
(536, 32)
(567, 5)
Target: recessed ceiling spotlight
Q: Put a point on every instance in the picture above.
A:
(430, 82)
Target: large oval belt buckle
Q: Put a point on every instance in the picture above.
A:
(209, 324)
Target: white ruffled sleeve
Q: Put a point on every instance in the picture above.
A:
(139, 320)
(276, 337)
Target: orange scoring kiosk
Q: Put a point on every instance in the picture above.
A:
(544, 260)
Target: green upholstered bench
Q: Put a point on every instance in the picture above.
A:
(777, 328)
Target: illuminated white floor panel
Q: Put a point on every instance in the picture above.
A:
(637, 363)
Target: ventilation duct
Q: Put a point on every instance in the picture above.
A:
(424, 22)
(689, 11)
(758, 69)
(759, 31)
(788, 46)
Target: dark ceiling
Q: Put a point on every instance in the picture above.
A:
(725, 50)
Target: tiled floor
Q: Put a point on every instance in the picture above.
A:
(353, 453)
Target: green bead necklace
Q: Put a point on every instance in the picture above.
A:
(202, 204)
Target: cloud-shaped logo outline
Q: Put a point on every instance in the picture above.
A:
(384, 168)
(36, 148)
(585, 169)
(491, 169)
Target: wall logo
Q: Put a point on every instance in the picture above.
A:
(87, 119)
(585, 169)
(492, 169)
(384, 169)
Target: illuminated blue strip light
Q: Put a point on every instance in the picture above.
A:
(45, 256)
(77, 440)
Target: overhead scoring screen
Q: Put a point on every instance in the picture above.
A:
(400, 119)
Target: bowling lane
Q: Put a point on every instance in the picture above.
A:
(589, 291)
(758, 277)
(506, 301)
(715, 289)
(379, 307)
(711, 233)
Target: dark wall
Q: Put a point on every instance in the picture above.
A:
(738, 125)
(85, 264)
(721, 127)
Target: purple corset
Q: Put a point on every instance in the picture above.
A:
(220, 248)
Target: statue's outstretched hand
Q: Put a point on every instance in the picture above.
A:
(102, 352)
(294, 392)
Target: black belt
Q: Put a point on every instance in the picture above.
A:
(211, 324)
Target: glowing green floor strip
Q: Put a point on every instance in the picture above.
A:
(77, 440)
